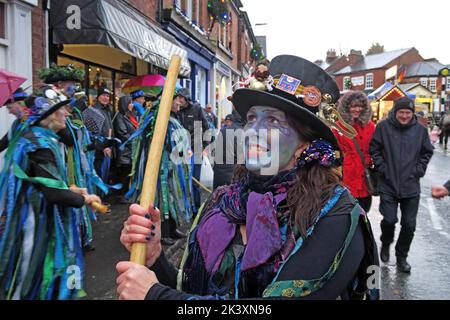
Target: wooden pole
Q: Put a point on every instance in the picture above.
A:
(138, 250)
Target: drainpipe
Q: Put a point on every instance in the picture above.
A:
(46, 8)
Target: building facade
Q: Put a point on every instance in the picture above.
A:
(16, 45)
(367, 73)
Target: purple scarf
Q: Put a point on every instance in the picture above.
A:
(257, 210)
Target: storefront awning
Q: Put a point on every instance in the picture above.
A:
(114, 23)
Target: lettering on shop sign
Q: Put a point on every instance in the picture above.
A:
(73, 22)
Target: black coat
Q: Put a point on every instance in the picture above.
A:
(123, 129)
(188, 116)
(226, 145)
(401, 155)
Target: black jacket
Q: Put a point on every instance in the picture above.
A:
(401, 155)
(123, 129)
(226, 149)
(188, 115)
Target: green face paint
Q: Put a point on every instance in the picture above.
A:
(270, 142)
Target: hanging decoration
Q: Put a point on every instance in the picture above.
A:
(347, 84)
(218, 11)
(256, 53)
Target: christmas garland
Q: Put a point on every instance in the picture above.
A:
(256, 53)
(61, 73)
(218, 10)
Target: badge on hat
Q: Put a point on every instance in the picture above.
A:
(288, 84)
(312, 96)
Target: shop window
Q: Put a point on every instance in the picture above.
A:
(369, 81)
(433, 82)
(200, 85)
(2, 20)
(448, 84)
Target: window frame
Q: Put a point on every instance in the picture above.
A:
(422, 81)
(367, 82)
(433, 81)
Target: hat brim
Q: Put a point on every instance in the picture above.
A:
(52, 110)
(245, 99)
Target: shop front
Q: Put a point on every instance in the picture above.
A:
(201, 61)
(112, 42)
(223, 90)
(382, 100)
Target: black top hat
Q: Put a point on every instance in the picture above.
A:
(299, 88)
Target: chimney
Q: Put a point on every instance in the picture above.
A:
(331, 56)
(355, 56)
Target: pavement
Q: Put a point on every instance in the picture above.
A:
(429, 254)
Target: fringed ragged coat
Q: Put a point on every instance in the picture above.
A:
(175, 189)
(353, 170)
(81, 171)
(40, 241)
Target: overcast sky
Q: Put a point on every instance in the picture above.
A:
(308, 28)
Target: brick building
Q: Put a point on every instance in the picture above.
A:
(214, 59)
(219, 52)
(426, 73)
(367, 73)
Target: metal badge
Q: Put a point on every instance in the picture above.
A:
(312, 96)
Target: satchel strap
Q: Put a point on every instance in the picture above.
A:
(361, 155)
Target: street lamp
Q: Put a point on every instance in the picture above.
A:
(444, 72)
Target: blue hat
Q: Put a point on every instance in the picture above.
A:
(137, 94)
(18, 95)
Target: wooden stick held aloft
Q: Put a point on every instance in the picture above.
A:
(138, 250)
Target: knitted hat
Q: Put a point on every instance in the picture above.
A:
(103, 90)
(137, 94)
(403, 103)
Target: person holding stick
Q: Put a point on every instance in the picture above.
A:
(287, 229)
(39, 232)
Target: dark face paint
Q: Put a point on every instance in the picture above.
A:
(269, 140)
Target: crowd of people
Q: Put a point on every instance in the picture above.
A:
(301, 232)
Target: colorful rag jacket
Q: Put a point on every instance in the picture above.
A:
(40, 243)
(334, 261)
(81, 171)
(175, 191)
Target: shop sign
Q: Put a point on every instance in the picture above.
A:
(358, 81)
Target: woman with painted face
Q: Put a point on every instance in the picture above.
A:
(286, 229)
(39, 222)
(356, 111)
